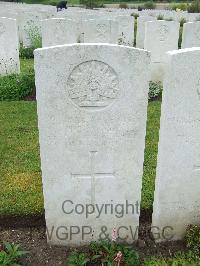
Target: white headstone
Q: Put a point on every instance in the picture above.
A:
(141, 30)
(58, 31)
(177, 188)
(9, 47)
(30, 27)
(160, 37)
(78, 17)
(191, 35)
(100, 31)
(126, 30)
(92, 104)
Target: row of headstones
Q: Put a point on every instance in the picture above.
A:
(30, 16)
(28, 24)
(27, 16)
(92, 110)
(166, 14)
(16, 20)
(122, 19)
(158, 37)
(59, 31)
(14, 8)
(172, 15)
(155, 36)
(19, 24)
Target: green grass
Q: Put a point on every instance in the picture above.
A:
(179, 259)
(26, 65)
(18, 86)
(20, 176)
(150, 159)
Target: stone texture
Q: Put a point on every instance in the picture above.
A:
(160, 37)
(141, 30)
(92, 105)
(177, 197)
(58, 31)
(100, 31)
(9, 43)
(126, 30)
(191, 35)
(30, 26)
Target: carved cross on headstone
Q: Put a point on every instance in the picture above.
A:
(93, 175)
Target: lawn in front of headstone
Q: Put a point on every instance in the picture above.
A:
(21, 188)
(21, 185)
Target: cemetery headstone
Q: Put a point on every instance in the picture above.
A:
(9, 43)
(58, 31)
(100, 31)
(141, 30)
(126, 30)
(177, 197)
(191, 35)
(30, 27)
(92, 109)
(160, 37)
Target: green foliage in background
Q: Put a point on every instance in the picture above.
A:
(194, 7)
(149, 5)
(180, 37)
(155, 90)
(180, 6)
(182, 21)
(123, 5)
(35, 42)
(91, 3)
(18, 86)
(26, 53)
(160, 17)
(35, 37)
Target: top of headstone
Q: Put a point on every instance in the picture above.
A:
(181, 51)
(87, 44)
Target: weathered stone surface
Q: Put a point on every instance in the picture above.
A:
(141, 30)
(9, 47)
(160, 37)
(92, 104)
(126, 30)
(191, 35)
(100, 31)
(58, 31)
(30, 26)
(177, 197)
